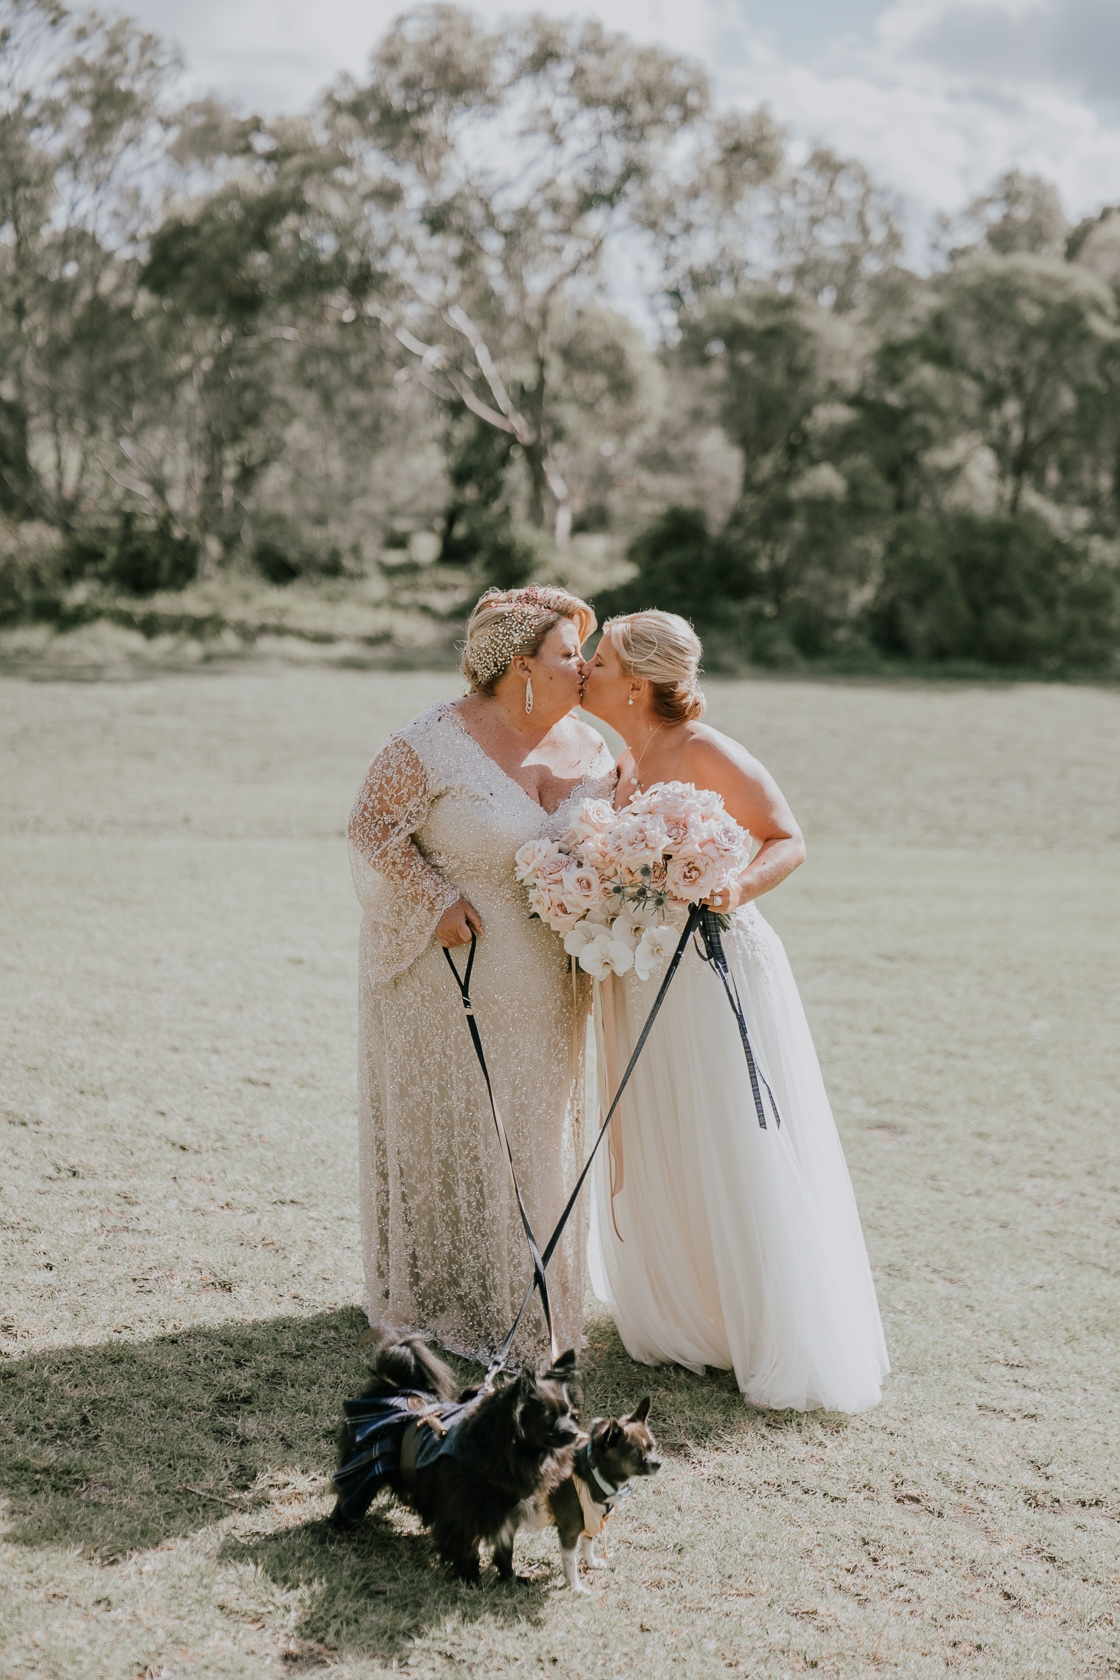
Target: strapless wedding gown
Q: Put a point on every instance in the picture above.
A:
(729, 1245)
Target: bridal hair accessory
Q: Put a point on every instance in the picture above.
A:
(528, 695)
(490, 653)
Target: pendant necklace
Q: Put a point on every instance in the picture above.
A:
(642, 754)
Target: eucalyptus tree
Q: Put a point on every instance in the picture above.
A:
(519, 155)
(81, 135)
(247, 274)
(1036, 337)
(738, 213)
(836, 232)
(802, 541)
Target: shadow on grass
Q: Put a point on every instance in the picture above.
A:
(102, 1445)
(371, 1589)
(125, 1446)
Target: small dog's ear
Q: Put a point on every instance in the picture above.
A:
(566, 1361)
(640, 1412)
(614, 1430)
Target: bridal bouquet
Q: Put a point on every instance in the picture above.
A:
(617, 885)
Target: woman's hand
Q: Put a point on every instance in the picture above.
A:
(457, 923)
(729, 899)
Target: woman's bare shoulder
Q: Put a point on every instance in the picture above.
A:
(707, 749)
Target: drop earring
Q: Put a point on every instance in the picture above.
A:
(528, 694)
(630, 701)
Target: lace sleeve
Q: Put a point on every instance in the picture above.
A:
(393, 802)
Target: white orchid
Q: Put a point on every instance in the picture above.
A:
(605, 955)
(582, 934)
(656, 946)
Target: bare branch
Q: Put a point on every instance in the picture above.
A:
(519, 426)
(483, 410)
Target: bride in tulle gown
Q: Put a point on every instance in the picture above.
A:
(715, 1241)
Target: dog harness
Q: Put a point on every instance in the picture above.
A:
(596, 1508)
(392, 1435)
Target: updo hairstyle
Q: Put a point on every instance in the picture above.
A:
(665, 649)
(506, 622)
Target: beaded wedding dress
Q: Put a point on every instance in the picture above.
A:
(728, 1244)
(444, 1250)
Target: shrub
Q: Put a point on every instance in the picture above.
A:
(1002, 590)
(920, 610)
(677, 568)
(281, 552)
(136, 556)
(33, 572)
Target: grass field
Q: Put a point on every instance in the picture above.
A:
(177, 1317)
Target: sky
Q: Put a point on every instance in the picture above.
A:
(936, 97)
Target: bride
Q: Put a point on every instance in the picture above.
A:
(445, 805)
(722, 1243)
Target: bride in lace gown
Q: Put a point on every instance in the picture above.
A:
(444, 807)
(713, 1241)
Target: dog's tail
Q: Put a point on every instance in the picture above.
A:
(410, 1363)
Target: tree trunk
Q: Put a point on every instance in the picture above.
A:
(17, 487)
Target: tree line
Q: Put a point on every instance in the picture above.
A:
(523, 285)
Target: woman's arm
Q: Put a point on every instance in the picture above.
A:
(393, 803)
(754, 799)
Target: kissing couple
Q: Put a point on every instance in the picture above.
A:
(714, 1240)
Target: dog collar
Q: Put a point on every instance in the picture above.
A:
(583, 1462)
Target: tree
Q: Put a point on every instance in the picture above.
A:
(1031, 333)
(1020, 213)
(517, 154)
(81, 138)
(835, 231)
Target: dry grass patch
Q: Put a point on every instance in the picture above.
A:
(180, 1263)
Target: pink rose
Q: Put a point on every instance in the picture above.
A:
(582, 886)
(693, 878)
(594, 817)
(556, 907)
(640, 842)
(597, 852)
(529, 858)
(553, 866)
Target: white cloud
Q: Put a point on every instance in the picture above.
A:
(937, 130)
(1069, 43)
(937, 104)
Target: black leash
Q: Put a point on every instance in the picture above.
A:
(705, 925)
(710, 950)
(539, 1280)
(691, 926)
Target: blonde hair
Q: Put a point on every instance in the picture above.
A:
(665, 649)
(506, 622)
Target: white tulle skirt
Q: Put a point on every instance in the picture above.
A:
(725, 1244)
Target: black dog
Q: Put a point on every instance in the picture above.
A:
(469, 1468)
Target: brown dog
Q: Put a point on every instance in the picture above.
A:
(605, 1464)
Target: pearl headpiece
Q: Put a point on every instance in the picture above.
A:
(489, 654)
